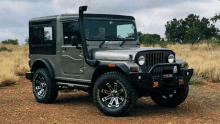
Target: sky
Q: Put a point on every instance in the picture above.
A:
(150, 15)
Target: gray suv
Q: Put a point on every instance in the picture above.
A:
(101, 54)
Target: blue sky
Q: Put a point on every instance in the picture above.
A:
(150, 15)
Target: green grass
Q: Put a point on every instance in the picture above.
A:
(5, 49)
(193, 82)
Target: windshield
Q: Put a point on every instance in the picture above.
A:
(109, 30)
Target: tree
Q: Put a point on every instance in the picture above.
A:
(192, 35)
(140, 35)
(190, 30)
(215, 18)
(150, 39)
(26, 41)
(174, 30)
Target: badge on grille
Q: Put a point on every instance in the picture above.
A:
(167, 76)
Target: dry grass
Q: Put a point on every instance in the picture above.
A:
(13, 64)
(203, 58)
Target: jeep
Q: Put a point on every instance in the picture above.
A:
(101, 54)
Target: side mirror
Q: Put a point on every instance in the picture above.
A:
(75, 42)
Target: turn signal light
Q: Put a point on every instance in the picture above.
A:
(134, 69)
(155, 84)
(186, 64)
(181, 81)
(111, 65)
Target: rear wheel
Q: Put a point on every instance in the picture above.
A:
(171, 98)
(114, 95)
(44, 88)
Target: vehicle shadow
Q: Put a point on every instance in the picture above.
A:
(142, 108)
(149, 109)
(73, 98)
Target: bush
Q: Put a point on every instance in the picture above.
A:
(10, 41)
(5, 49)
(163, 44)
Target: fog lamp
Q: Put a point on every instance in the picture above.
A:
(181, 81)
(155, 84)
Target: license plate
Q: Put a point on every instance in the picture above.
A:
(167, 76)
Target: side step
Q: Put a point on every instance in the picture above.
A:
(74, 86)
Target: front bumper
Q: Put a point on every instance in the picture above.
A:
(148, 81)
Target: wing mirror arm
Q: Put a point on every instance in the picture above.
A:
(78, 46)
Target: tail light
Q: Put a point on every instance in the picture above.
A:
(29, 63)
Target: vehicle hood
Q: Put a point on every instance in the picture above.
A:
(119, 53)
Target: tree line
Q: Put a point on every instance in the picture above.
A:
(189, 30)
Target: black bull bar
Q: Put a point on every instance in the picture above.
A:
(146, 80)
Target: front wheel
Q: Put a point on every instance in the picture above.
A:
(114, 95)
(171, 98)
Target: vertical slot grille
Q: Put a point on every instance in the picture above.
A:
(152, 59)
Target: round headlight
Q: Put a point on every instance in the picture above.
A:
(141, 60)
(171, 58)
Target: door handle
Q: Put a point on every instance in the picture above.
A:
(64, 50)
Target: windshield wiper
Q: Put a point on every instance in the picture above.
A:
(101, 44)
(111, 36)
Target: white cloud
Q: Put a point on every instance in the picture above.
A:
(17, 7)
(150, 15)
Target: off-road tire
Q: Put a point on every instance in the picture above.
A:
(51, 91)
(130, 94)
(178, 97)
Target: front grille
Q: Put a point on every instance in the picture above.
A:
(152, 59)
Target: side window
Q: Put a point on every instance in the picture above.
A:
(42, 35)
(70, 29)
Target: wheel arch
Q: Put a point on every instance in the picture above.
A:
(103, 68)
(43, 63)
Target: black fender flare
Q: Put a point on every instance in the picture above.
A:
(121, 66)
(47, 63)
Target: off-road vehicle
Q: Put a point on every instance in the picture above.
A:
(101, 54)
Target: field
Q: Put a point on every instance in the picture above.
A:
(13, 64)
(202, 105)
(203, 58)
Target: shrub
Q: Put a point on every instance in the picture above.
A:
(10, 41)
(5, 49)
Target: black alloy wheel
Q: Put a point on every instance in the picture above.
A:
(114, 95)
(44, 88)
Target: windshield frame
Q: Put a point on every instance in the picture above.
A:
(112, 19)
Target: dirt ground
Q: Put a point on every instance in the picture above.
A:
(17, 105)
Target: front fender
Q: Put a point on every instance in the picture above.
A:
(124, 66)
(180, 61)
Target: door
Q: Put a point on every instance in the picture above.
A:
(71, 57)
